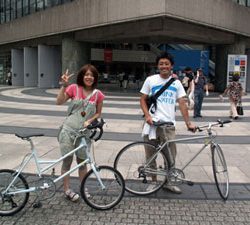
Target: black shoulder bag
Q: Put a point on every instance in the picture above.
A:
(151, 100)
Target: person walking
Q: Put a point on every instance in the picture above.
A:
(138, 75)
(234, 91)
(120, 77)
(9, 77)
(165, 110)
(188, 84)
(200, 83)
(85, 106)
(187, 79)
(125, 80)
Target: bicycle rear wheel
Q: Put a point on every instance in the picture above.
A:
(220, 171)
(103, 198)
(12, 203)
(143, 175)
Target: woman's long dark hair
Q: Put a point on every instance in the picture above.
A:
(83, 71)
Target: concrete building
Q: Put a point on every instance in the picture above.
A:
(41, 38)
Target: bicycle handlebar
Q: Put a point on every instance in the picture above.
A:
(96, 125)
(219, 122)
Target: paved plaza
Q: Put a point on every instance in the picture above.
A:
(28, 110)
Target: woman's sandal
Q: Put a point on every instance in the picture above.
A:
(71, 195)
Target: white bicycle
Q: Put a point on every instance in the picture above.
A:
(102, 188)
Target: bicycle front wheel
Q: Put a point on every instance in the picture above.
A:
(106, 196)
(220, 171)
(143, 169)
(10, 202)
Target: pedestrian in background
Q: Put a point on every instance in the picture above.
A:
(120, 77)
(9, 77)
(188, 84)
(234, 91)
(125, 80)
(200, 83)
(138, 75)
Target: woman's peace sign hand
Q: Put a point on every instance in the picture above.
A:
(65, 78)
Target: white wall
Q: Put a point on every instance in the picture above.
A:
(30, 67)
(49, 66)
(17, 67)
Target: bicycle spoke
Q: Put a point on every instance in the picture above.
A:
(103, 198)
(220, 171)
(144, 172)
(12, 203)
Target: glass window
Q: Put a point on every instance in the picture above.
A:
(40, 5)
(7, 10)
(19, 8)
(47, 3)
(2, 14)
(242, 2)
(13, 10)
(32, 6)
(26, 7)
(248, 3)
(55, 2)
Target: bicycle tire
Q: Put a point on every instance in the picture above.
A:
(93, 194)
(11, 204)
(131, 161)
(220, 171)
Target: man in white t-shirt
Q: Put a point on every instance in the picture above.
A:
(165, 110)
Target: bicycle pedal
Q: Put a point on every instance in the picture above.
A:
(190, 183)
(144, 181)
(37, 205)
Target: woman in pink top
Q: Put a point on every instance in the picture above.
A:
(85, 106)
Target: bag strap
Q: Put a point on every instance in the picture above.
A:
(158, 93)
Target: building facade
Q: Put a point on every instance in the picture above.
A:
(41, 38)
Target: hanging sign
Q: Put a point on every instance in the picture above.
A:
(237, 66)
(108, 54)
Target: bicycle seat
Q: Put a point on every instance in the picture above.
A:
(25, 136)
(158, 124)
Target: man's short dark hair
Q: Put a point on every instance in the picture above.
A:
(188, 68)
(165, 55)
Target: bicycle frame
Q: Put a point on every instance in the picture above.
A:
(52, 163)
(209, 140)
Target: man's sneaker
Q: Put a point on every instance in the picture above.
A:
(172, 188)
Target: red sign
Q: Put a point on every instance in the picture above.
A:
(108, 54)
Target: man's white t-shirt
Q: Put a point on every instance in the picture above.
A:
(167, 100)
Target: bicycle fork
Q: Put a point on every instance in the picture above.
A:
(95, 169)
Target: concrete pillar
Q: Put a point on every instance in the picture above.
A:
(74, 55)
(49, 66)
(17, 67)
(222, 52)
(30, 67)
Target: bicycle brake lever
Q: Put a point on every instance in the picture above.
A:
(199, 129)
